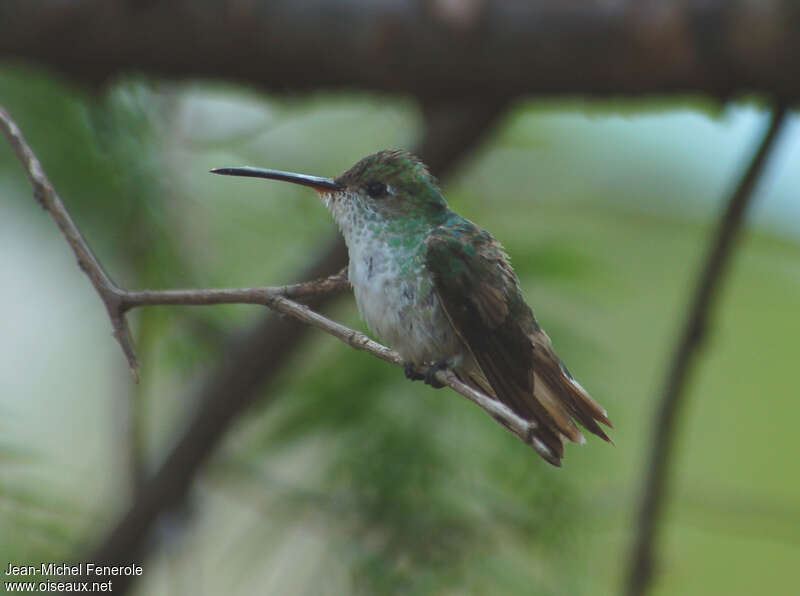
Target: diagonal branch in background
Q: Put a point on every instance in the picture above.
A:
(691, 340)
(254, 358)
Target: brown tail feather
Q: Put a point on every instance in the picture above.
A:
(563, 423)
(574, 398)
(547, 431)
(551, 401)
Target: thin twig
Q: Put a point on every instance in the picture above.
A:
(205, 297)
(118, 300)
(520, 427)
(251, 357)
(48, 198)
(691, 339)
(256, 357)
(278, 298)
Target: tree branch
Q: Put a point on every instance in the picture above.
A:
(262, 295)
(49, 200)
(686, 349)
(254, 359)
(251, 358)
(433, 51)
(278, 299)
(118, 300)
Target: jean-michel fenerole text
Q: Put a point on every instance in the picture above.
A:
(72, 570)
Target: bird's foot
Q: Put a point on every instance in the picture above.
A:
(430, 376)
(411, 373)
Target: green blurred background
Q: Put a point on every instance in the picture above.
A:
(354, 480)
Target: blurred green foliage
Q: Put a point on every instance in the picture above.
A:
(354, 480)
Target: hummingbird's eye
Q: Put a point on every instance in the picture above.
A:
(376, 189)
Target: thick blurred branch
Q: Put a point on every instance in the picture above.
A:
(691, 340)
(437, 50)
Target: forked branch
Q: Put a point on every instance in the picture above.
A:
(118, 300)
(49, 200)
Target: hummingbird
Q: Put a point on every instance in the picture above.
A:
(441, 291)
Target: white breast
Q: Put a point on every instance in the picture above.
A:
(380, 294)
(394, 294)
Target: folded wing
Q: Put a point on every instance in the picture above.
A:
(480, 294)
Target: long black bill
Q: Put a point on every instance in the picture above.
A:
(314, 182)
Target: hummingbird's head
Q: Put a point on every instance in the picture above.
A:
(393, 185)
(390, 188)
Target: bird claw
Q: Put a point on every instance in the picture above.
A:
(411, 373)
(429, 377)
